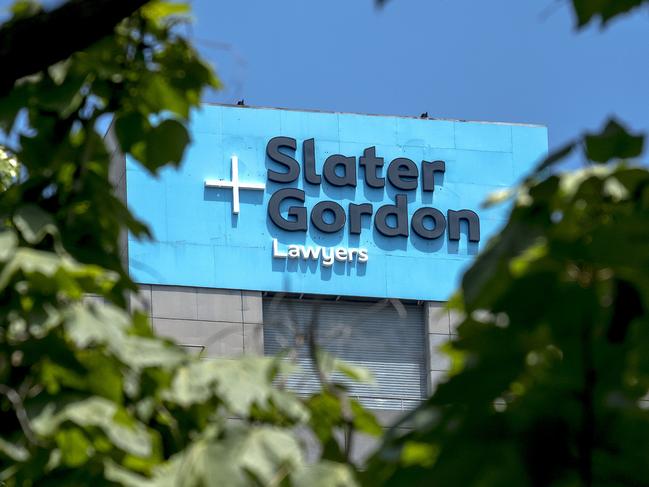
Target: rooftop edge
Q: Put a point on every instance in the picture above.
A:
(518, 124)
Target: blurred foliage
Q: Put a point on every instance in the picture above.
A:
(88, 396)
(604, 10)
(549, 382)
(550, 373)
(9, 169)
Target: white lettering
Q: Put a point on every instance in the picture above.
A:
(294, 251)
(328, 255)
(362, 255)
(276, 253)
(341, 254)
(311, 253)
(351, 254)
(327, 260)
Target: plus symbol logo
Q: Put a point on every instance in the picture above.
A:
(234, 184)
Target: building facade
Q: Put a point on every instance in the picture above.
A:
(286, 232)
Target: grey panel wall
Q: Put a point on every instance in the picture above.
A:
(212, 322)
(441, 327)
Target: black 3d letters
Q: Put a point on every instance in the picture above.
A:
(292, 166)
(390, 220)
(298, 213)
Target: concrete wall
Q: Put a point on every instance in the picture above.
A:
(213, 322)
(441, 326)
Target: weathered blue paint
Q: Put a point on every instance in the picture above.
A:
(199, 242)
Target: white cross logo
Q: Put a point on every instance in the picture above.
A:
(234, 184)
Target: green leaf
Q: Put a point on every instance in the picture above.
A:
(31, 262)
(33, 223)
(25, 8)
(74, 446)
(326, 414)
(9, 169)
(64, 98)
(10, 106)
(51, 273)
(364, 420)
(15, 452)
(87, 326)
(522, 263)
(324, 474)
(330, 364)
(417, 453)
(628, 307)
(108, 326)
(164, 144)
(160, 10)
(587, 10)
(159, 96)
(614, 142)
(96, 412)
(354, 372)
(241, 456)
(8, 244)
(239, 384)
(124, 477)
(131, 128)
(59, 71)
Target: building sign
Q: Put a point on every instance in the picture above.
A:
(326, 203)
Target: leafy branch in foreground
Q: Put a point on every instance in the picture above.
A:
(24, 40)
(87, 394)
(549, 382)
(550, 371)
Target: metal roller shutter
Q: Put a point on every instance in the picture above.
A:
(382, 337)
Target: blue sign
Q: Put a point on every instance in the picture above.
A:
(327, 203)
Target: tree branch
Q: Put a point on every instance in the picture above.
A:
(17, 403)
(29, 45)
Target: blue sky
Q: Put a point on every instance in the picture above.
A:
(502, 60)
(498, 60)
